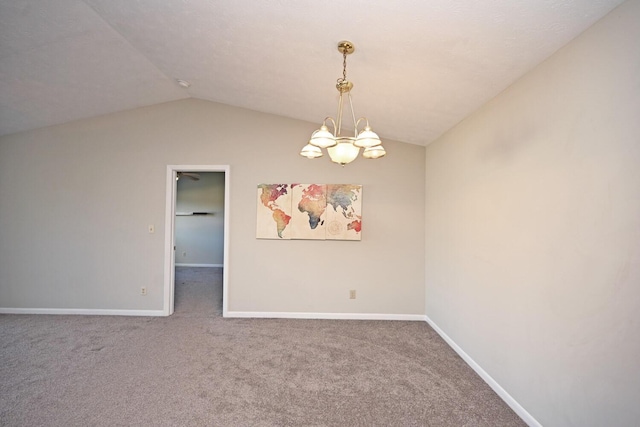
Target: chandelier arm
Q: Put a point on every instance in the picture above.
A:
(339, 116)
(361, 119)
(333, 123)
(353, 116)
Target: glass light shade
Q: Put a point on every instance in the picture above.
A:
(344, 151)
(374, 152)
(367, 138)
(322, 138)
(311, 151)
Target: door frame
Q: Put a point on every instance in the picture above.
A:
(170, 230)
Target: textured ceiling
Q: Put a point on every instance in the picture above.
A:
(419, 66)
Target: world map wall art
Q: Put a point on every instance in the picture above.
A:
(309, 211)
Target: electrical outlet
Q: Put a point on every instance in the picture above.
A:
(143, 291)
(352, 294)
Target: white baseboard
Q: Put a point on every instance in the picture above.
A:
(198, 265)
(82, 311)
(327, 316)
(508, 399)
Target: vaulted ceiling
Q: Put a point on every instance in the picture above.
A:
(420, 66)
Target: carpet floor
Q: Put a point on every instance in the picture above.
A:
(196, 368)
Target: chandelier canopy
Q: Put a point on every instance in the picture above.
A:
(344, 149)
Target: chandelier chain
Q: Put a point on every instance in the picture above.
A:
(344, 68)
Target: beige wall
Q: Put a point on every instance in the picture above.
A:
(76, 200)
(533, 232)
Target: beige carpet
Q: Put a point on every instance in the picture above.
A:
(192, 369)
(198, 292)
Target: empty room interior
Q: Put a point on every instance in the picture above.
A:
(475, 259)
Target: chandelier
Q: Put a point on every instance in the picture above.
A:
(344, 149)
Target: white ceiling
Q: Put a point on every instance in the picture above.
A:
(419, 66)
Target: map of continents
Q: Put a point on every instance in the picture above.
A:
(344, 211)
(274, 211)
(309, 204)
(309, 211)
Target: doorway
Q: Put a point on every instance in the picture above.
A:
(176, 218)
